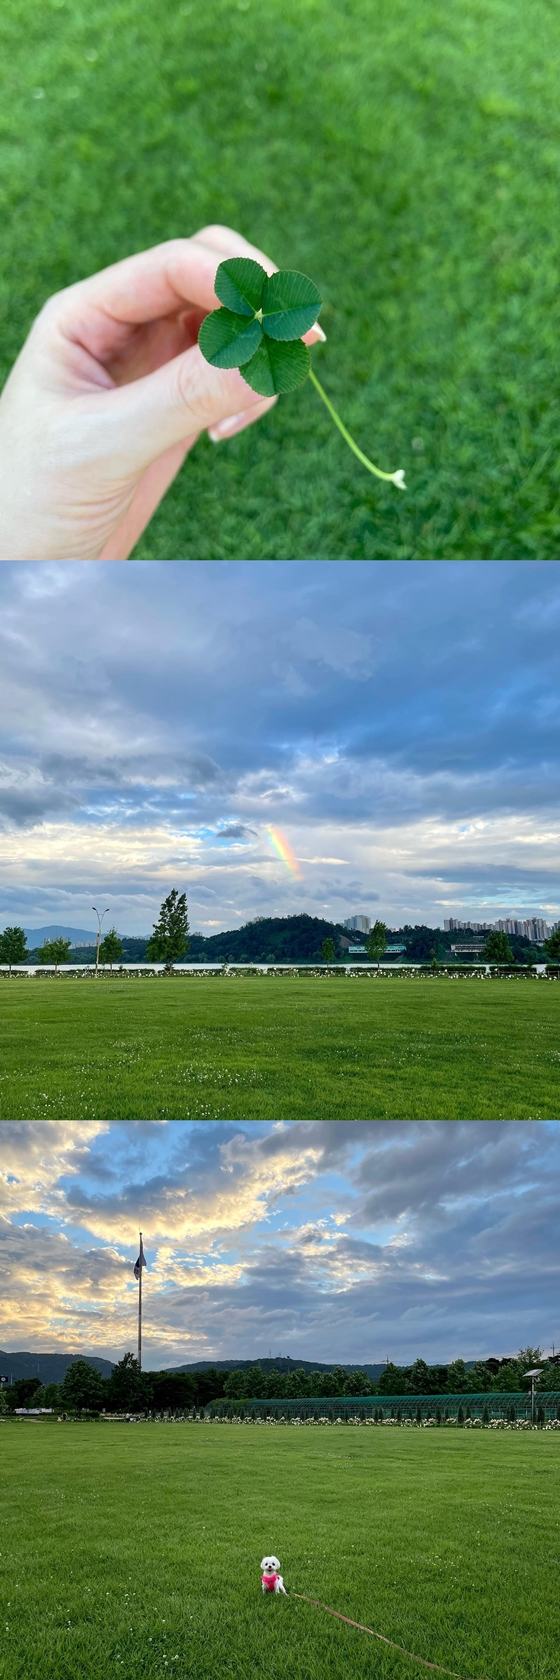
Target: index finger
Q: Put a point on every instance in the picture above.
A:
(153, 283)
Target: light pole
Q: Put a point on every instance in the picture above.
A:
(141, 1261)
(532, 1375)
(100, 919)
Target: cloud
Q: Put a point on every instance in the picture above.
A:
(399, 717)
(26, 796)
(204, 1206)
(324, 1239)
(35, 1157)
(347, 651)
(235, 831)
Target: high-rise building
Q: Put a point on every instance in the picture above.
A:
(451, 925)
(539, 928)
(358, 924)
(534, 928)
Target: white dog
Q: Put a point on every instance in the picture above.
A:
(271, 1577)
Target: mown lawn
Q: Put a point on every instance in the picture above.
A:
(407, 157)
(280, 1048)
(131, 1551)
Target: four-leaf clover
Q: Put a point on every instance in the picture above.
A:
(261, 324)
(259, 330)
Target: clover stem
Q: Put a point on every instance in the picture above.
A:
(392, 478)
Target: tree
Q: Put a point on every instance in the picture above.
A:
(22, 1391)
(550, 1379)
(392, 1381)
(82, 1388)
(480, 1378)
(169, 940)
(419, 1377)
(173, 1389)
(13, 946)
(438, 1378)
(246, 1385)
(276, 1385)
(210, 1385)
(551, 946)
(376, 944)
(110, 949)
(49, 1396)
(497, 948)
(327, 950)
(54, 951)
(530, 1356)
(457, 1377)
(358, 1383)
(128, 1389)
(320, 1385)
(297, 1384)
(315, 1378)
(425, 1379)
(236, 1386)
(508, 1379)
(338, 1377)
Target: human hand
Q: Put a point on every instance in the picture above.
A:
(107, 396)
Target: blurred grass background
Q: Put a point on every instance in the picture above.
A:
(407, 157)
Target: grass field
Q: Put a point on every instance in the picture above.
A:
(280, 1048)
(134, 1552)
(407, 157)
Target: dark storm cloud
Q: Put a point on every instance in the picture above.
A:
(234, 831)
(459, 661)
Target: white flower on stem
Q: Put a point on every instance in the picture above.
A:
(398, 479)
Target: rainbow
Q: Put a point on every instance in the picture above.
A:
(283, 850)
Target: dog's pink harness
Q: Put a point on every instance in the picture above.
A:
(269, 1582)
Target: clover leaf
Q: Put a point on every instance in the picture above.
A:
(259, 330)
(261, 324)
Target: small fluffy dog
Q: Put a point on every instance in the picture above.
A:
(271, 1577)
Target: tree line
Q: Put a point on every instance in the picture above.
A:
(269, 939)
(127, 1389)
(130, 1389)
(485, 1376)
(168, 943)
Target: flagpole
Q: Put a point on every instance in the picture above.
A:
(140, 1307)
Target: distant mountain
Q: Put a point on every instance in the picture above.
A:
(50, 1367)
(288, 1364)
(279, 1364)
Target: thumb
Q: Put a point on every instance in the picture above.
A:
(180, 399)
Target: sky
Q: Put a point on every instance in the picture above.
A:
(338, 1241)
(397, 722)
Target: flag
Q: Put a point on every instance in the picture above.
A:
(141, 1261)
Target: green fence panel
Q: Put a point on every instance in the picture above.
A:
(399, 1407)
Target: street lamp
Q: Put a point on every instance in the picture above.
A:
(100, 919)
(532, 1374)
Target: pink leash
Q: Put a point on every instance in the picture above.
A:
(375, 1635)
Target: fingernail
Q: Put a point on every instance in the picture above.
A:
(224, 427)
(319, 331)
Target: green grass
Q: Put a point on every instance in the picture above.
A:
(407, 157)
(124, 1546)
(279, 1048)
